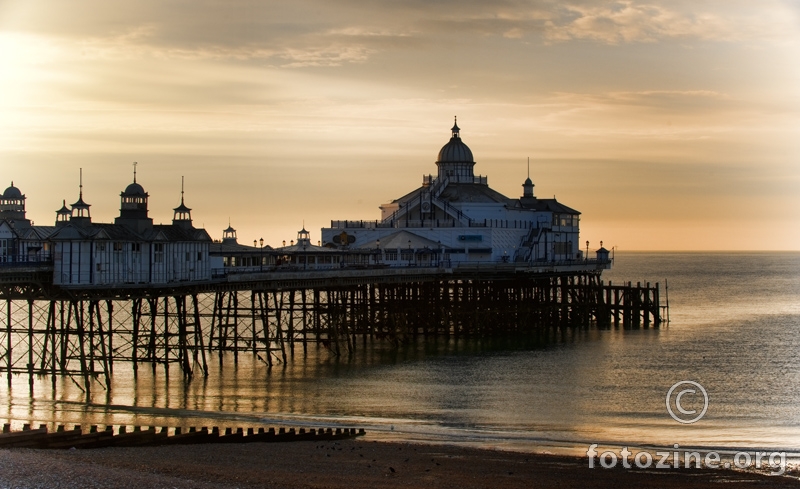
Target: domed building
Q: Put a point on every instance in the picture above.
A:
(456, 217)
(12, 207)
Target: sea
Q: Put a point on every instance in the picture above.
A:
(734, 330)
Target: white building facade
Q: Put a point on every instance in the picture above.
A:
(132, 250)
(456, 217)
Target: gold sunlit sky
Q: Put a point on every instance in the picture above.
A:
(671, 125)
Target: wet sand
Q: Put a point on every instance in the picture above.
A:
(351, 464)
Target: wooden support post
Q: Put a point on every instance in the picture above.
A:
(9, 363)
(30, 346)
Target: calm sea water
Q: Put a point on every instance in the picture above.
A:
(735, 329)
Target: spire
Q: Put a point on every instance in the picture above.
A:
(80, 209)
(529, 171)
(182, 215)
(134, 171)
(527, 187)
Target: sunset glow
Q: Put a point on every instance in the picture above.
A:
(669, 125)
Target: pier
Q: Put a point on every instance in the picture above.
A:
(87, 332)
(452, 258)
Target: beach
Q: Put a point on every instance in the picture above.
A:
(352, 464)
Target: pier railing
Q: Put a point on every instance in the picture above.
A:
(434, 223)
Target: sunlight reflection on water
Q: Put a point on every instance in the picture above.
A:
(735, 324)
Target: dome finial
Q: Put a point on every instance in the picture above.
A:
(182, 189)
(134, 171)
(455, 128)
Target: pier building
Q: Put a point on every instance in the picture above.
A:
(456, 217)
(20, 241)
(132, 250)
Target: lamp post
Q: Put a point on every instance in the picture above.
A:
(587, 250)
(255, 244)
(377, 251)
(409, 252)
(261, 255)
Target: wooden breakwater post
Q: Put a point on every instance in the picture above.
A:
(632, 306)
(152, 436)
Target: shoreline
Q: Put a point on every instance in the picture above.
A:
(341, 464)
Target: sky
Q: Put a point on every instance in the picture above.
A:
(670, 125)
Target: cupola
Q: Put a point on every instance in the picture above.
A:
(182, 215)
(12, 206)
(133, 207)
(229, 235)
(455, 160)
(80, 214)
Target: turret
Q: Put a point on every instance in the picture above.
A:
(133, 207)
(80, 215)
(12, 207)
(182, 215)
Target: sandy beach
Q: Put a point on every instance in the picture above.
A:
(346, 464)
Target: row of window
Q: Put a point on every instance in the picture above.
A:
(158, 251)
(565, 220)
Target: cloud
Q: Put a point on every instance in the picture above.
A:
(628, 21)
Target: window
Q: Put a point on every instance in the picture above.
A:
(158, 252)
(407, 255)
(199, 256)
(391, 256)
(187, 256)
(562, 248)
(136, 247)
(118, 251)
(101, 247)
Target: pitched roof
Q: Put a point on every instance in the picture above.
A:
(116, 232)
(544, 205)
(400, 240)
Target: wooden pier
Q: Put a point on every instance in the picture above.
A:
(85, 332)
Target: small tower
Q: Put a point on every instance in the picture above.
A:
(303, 237)
(527, 187)
(602, 254)
(80, 215)
(133, 207)
(229, 235)
(182, 216)
(12, 207)
(63, 214)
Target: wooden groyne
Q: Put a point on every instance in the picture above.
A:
(63, 438)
